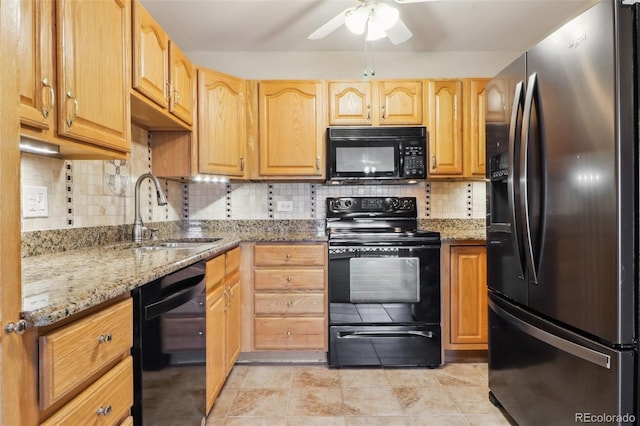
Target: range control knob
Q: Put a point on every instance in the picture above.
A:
(407, 204)
(394, 203)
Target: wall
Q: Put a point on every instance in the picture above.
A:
(85, 193)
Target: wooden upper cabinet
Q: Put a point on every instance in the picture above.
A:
(292, 129)
(474, 129)
(384, 102)
(150, 57)
(36, 64)
(182, 75)
(400, 102)
(350, 103)
(222, 130)
(445, 128)
(94, 39)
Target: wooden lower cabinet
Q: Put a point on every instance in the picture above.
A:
(290, 300)
(223, 318)
(465, 296)
(86, 370)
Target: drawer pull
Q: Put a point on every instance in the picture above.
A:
(104, 411)
(289, 279)
(288, 333)
(289, 303)
(105, 338)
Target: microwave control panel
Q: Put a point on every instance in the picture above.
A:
(414, 159)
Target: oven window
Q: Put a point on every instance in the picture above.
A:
(384, 280)
(367, 159)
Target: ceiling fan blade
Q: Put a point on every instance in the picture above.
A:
(399, 33)
(332, 25)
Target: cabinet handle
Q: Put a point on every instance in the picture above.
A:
(104, 411)
(242, 164)
(167, 90)
(289, 303)
(384, 113)
(434, 163)
(318, 163)
(288, 256)
(176, 97)
(52, 98)
(368, 112)
(289, 279)
(288, 333)
(200, 303)
(75, 108)
(105, 338)
(200, 333)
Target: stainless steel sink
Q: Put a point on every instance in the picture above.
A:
(176, 245)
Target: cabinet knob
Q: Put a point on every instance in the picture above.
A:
(288, 333)
(200, 333)
(16, 327)
(288, 256)
(105, 338)
(289, 303)
(288, 279)
(104, 411)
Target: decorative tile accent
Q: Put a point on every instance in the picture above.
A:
(470, 200)
(185, 202)
(427, 200)
(68, 177)
(228, 201)
(312, 202)
(270, 201)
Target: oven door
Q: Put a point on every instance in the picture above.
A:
(382, 285)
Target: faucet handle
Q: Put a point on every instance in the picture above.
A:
(153, 232)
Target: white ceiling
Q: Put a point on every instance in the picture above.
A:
(451, 37)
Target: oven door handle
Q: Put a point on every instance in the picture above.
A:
(370, 334)
(179, 294)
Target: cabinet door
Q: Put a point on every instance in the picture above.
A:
(291, 129)
(94, 71)
(216, 365)
(400, 102)
(474, 128)
(37, 94)
(234, 320)
(445, 128)
(183, 82)
(222, 131)
(349, 103)
(468, 315)
(150, 57)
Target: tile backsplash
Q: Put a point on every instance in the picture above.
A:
(83, 193)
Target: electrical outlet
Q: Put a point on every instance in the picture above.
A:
(35, 201)
(284, 206)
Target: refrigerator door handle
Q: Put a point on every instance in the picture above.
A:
(590, 355)
(531, 102)
(514, 174)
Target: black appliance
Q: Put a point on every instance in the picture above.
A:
(376, 154)
(169, 381)
(384, 285)
(562, 233)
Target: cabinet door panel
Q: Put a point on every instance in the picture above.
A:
(94, 71)
(234, 321)
(349, 103)
(474, 129)
(216, 368)
(183, 79)
(445, 128)
(222, 131)
(400, 102)
(291, 129)
(468, 295)
(37, 79)
(151, 57)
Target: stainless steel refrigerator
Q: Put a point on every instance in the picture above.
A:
(562, 224)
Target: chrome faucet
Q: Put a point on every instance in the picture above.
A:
(138, 226)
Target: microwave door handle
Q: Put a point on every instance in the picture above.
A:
(400, 160)
(513, 178)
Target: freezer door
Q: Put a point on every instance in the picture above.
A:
(544, 375)
(578, 183)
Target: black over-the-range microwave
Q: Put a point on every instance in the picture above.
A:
(376, 154)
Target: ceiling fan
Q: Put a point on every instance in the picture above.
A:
(374, 18)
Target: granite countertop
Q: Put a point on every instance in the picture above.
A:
(58, 285)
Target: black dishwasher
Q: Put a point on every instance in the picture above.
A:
(169, 342)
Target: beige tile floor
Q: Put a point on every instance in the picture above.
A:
(292, 395)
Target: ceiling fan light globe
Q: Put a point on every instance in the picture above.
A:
(356, 20)
(385, 16)
(374, 32)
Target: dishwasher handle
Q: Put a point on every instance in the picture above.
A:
(175, 295)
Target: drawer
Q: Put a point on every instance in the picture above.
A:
(76, 351)
(290, 333)
(289, 279)
(112, 393)
(194, 307)
(289, 304)
(232, 261)
(290, 255)
(183, 334)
